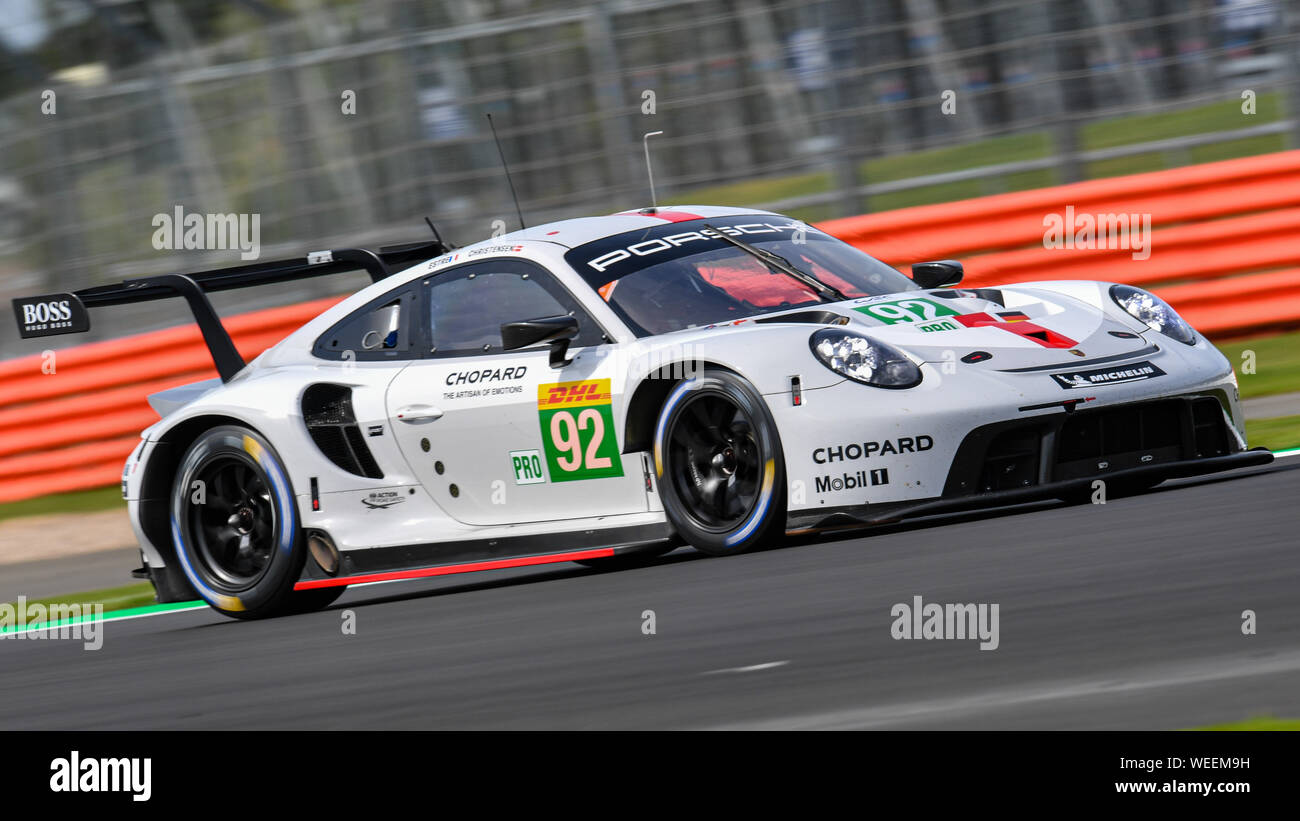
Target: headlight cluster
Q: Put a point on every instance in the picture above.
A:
(1153, 312)
(864, 360)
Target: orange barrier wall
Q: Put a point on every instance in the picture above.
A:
(1224, 246)
(1225, 251)
(73, 429)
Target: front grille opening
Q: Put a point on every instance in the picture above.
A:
(1089, 444)
(1011, 460)
(332, 425)
(1103, 441)
(1209, 430)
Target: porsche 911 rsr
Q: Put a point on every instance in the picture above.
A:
(604, 389)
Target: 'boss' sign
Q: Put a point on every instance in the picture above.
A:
(50, 314)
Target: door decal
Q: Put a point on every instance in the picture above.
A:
(578, 432)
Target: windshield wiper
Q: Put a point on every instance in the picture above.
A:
(777, 263)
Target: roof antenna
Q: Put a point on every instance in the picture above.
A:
(509, 182)
(645, 141)
(436, 235)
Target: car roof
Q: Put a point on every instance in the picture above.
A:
(568, 233)
(571, 233)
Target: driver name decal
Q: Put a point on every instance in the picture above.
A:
(578, 434)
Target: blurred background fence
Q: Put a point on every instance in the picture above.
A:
(343, 122)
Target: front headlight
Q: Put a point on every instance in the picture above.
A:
(1153, 312)
(864, 360)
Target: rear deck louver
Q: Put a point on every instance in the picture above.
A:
(327, 412)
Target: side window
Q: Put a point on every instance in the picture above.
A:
(468, 306)
(382, 330)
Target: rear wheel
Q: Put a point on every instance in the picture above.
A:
(719, 464)
(235, 527)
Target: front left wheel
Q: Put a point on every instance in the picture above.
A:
(235, 527)
(719, 464)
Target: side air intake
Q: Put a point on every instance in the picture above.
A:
(327, 412)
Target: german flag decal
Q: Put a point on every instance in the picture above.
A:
(1020, 327)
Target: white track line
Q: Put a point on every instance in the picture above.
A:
(753, 668)
(1201, 672)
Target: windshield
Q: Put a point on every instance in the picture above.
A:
(682, 275)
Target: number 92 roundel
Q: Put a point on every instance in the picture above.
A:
(577, 420)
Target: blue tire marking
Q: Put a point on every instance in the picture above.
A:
(289, 521)
(288, 527)
(754, 519)
(759, 512)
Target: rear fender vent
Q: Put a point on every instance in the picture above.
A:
(327, 412)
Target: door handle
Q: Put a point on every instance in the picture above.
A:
(418, 414)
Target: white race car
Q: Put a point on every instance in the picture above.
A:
(603, 389)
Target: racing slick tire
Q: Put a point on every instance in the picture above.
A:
(719, 465)
(235, 528)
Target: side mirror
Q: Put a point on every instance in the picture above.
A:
(937, 274)
(555, 330)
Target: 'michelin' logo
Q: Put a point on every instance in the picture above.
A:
(1134, 372)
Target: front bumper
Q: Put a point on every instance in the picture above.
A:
(814, 521)
(1062, 455)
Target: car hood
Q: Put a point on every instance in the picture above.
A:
(1017, 328)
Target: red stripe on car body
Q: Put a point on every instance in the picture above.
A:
(1034, 333)
(452, 569)
(667, 216)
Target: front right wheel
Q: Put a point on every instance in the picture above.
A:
(719, 464)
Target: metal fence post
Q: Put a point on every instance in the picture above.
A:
(1291, 25)
(620, 161)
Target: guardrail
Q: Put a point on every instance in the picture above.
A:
(1225, 250)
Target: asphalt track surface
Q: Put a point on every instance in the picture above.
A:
(1124, 615)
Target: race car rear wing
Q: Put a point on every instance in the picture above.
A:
(65, 313)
